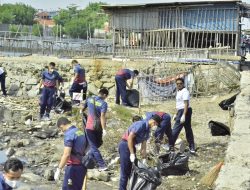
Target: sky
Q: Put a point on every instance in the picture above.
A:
(55, 4)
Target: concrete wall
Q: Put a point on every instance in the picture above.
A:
(235, 174)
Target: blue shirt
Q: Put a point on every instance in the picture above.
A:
(49, 79)
(3, 185)
(76, 139)
(80, 74)
(141, 130)
(101, 107)
(125, 73)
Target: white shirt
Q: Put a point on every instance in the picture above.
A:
(1, 70)
(182, 95)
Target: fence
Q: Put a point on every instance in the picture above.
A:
(157, 83)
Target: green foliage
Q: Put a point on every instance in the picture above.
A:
(18, 13)
(14, 29)
(76, 22)
(123, 113)
(25, 30)
(37, 30)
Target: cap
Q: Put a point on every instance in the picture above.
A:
(157, 118)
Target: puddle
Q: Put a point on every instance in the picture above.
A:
(3, 157)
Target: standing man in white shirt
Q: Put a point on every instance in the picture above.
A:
(2, 80)
(183, 115)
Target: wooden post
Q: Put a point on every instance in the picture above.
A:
(84, 187)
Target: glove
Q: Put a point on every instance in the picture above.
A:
(182, 119)
(104, 133)
(132, 157)
(38, 91)
(174, 117)
(144, 161)
(57, 174)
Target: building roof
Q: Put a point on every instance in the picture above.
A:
(170, 3)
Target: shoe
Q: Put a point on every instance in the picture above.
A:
(46, 118)
(192, 150)
(103, 169)
(165, 147)
(171, 149)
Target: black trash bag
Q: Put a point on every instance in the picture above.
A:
(143, 177)
(62, 105)
(225, 104)
(218, 129)
(133, 98)
(173, 163)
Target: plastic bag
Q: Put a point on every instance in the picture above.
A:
(173, 163)
(225, 104)
(133, 98)
(143, 177)
(218, 129)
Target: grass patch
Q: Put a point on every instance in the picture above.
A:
(121, 112)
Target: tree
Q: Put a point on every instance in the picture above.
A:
(37, 30)
(76, 22)
(17, 14)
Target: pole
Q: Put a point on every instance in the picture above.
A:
(84, 187)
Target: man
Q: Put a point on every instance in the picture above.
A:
(50, 86)
(164, 128)
(2, 81)
(9, 179)
(97, 109)
(74, 149)
(183, 115)
(79, 81)
(121, 82)
(137, 133)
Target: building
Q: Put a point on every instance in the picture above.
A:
(175, 27)
(45, 18)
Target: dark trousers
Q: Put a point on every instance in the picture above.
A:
(74, 176)
(187, 125)
(2, 80)
(47, 100)
(125, 164)
(75, 87)
(164, 128)
(120, 90)
(95, 141)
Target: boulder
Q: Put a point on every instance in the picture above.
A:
(98, 84)
(108, 85)
(31, 81)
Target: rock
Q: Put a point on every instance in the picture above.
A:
(28, 87)
(6, 139)
(49, 174)
(98, 84)
(101, 176)
(108, 85)
(26, 142)
(31, 177)
(41, 135)
(92, 89)
(9, 152)
(15, 143)
(32, 81)
(13, 88)
(32, 93)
